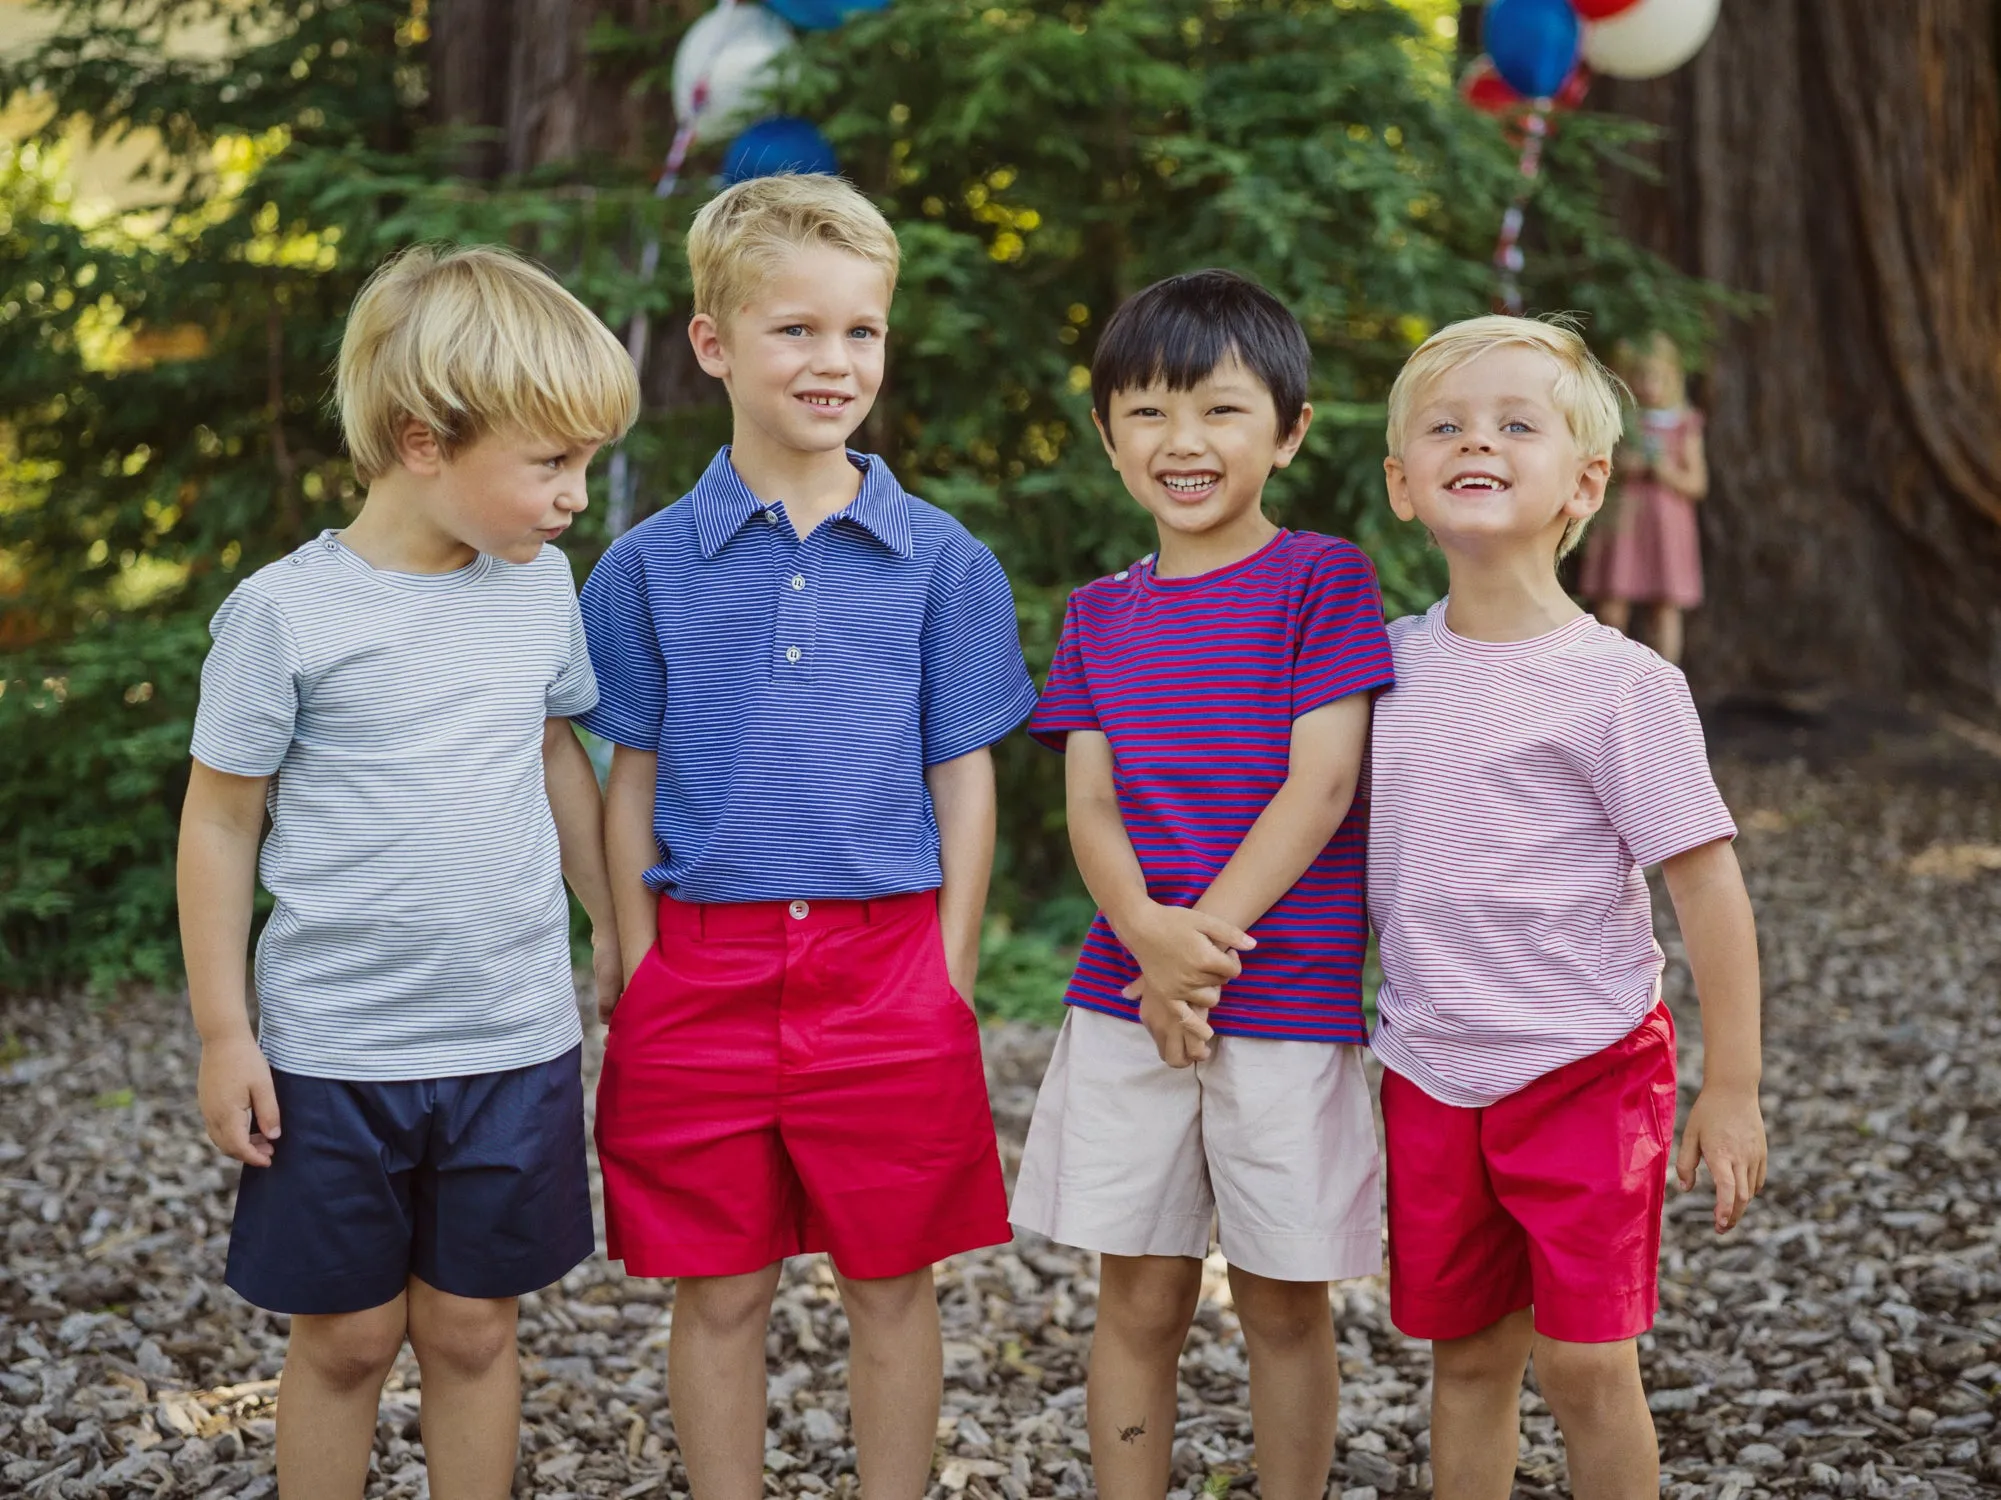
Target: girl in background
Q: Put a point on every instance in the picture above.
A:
(1650, 554)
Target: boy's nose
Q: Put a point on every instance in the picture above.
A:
(831, 356)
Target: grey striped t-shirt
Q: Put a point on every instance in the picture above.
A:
(421, 930)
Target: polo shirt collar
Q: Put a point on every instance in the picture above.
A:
(723, 503)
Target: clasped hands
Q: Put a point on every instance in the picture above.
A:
(1185, 958)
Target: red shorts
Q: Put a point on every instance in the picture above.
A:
(787, 1077)
(1549, 1199)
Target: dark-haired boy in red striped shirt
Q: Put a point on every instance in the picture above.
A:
(1213, 701)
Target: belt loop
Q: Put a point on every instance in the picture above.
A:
(702, 919)
(868, 913)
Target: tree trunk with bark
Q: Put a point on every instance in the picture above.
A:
(521, 69)
(1842, 160)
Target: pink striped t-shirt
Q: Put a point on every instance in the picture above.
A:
(1518, 789)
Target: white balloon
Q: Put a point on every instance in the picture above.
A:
(1652, 38)
(736, 49)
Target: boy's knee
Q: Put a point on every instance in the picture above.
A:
(1582, 1382)
(1281, 1314)
(1148, 1298)
(465, 1335)
(889, 1299)
(1494, 1356)
(348, 1350)
(724, 1306)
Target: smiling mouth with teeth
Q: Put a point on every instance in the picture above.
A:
(1188, 484)
(1477, 482)
(825, 401)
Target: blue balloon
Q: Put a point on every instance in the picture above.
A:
(783, 143)
(1533, 44)
(820, 15)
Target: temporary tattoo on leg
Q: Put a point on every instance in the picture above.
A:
(1133, 1434)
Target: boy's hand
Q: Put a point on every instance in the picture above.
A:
(1726, 1130)
(1179, 1032)
(607, 971)
(1183, 952)
(238, 1103)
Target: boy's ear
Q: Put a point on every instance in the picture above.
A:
(1399, 490)
(1288, 445)
(418, 448)
(1104, 435)
(1589, 496)
(705, 336)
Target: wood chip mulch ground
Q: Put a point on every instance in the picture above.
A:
(1845, 1341)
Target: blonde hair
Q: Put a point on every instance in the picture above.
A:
(468, 341)
(742, 233)
(1591, 398)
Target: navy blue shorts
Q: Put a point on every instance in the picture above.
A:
(477, 1185)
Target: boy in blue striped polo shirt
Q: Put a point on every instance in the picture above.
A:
(802, 668)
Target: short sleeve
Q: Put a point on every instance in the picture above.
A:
(249, 687)
(976, 688)
(574, 689)
(1343, 646)
(1652, 773)
(1066, 704)
(624, 653)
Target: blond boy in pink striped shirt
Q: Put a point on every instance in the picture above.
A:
(1527, 766)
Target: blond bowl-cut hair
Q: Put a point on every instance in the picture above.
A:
(472, 341)
(1591, 398)
(743, 233)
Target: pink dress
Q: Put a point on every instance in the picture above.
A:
(1647, 550)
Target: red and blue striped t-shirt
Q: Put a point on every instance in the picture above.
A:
(1196, 682)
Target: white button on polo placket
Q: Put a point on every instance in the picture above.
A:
(798, 581)
(792, 654)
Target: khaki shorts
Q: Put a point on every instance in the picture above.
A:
(1273, 1141)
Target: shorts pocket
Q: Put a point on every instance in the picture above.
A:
(636, 988)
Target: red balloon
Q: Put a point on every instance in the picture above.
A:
(1485, 89)
(1598, 10)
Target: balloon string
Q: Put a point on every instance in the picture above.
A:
(1507, 250)
(618, 513)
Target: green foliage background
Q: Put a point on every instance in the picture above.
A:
(163, 373)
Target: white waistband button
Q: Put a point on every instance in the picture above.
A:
(799, 910)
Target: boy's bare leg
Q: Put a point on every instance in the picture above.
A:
(715, 1381)
(471, 1408)
(1145, 1304)
(1667, 632)
(335, 1364)
(1476, 1413)
(1601, 1407)
(896, 1381)
(1617, 613)
(1295, 1381)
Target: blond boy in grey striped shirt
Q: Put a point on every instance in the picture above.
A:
(397, 694)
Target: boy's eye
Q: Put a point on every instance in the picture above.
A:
(862, 333)
(1144, 411)
(1517, 425)
(793, 330)
(557, 462)
(1445, 429)
(1224, 409)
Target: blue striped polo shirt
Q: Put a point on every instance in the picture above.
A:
(1195, 682)
(796, 689)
